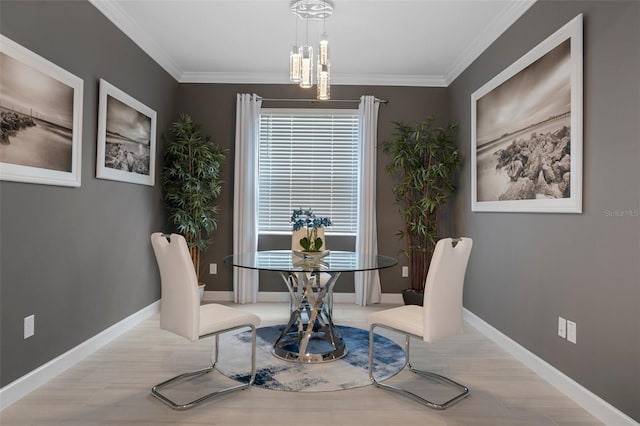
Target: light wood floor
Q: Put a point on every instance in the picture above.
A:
(111, 387)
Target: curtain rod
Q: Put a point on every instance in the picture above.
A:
(382, 101)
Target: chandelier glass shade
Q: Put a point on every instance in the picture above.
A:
(306, 67)
(301, 59)
(294, 64)
(323, 69)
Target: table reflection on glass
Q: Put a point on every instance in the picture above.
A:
(310, 336)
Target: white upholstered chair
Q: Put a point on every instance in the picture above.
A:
(439, 317)
(182, 314)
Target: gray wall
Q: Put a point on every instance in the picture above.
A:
(214, 106)
(528, 269)
(78, 258)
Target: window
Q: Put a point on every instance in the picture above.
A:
(308, 159)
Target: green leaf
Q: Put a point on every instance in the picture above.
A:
(191, 181)
(424, 162)
(305, 243)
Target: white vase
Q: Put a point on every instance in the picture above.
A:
(201, 291)
(296, 236)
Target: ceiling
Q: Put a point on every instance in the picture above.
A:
(372, 42)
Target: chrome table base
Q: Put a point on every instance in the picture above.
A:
(310, 335)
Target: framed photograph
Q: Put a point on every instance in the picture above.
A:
(526, 131)
(40, 119)
(126, 138)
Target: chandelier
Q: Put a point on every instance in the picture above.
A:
(301, 56)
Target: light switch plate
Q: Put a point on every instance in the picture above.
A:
(29, 326)
(562, 327)
(571, 331)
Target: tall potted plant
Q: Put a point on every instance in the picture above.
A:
(191, 182)
(425, 161)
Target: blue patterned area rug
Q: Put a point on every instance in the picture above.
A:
(352, 371)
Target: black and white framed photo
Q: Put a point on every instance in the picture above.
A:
(40, 119)
(526, 131)
(126, 137)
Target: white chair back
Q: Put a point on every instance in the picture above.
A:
(443, 289)
(180, 301)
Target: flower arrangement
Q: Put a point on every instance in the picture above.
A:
(305, 219)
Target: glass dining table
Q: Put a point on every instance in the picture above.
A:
(310, 336)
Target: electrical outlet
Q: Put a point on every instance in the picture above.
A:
(571, 331)
(213, 268)
(562, 327)
(405, 271)
(29, 326)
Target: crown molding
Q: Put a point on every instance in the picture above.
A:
(487, 37)
(234, 78)
(342, 79)
(128, 26)
(390, 80)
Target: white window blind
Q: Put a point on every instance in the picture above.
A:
(308, 159)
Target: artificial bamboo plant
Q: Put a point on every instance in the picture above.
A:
(425, 161)
(191, 182)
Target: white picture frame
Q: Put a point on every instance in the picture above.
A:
(126, 138)
(526, 130)
(41, 107)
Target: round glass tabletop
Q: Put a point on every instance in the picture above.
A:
(292, 261)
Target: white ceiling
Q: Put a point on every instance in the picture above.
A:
(372, 42)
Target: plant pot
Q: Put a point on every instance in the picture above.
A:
(201, 290)
(412, 297)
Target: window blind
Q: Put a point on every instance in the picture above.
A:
(308, 159)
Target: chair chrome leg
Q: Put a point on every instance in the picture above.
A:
(155, 391)
(253, 356)
(437, 406)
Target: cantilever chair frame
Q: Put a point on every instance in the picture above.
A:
(155, 391)
(445, 272)
(240, 323)
(426, 374)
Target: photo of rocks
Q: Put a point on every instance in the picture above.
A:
(523, 136)
(128, 138)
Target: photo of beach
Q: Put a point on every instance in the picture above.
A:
(36, 118)
(128, 138)
(523, 132)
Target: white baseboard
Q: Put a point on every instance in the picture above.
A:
(590, 402)
(279, 296)
(41, 375)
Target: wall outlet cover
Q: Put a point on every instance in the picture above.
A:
(29, 326)
(562, 327)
